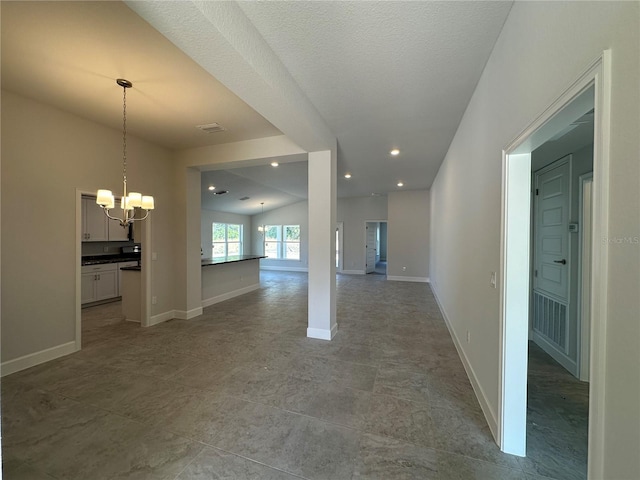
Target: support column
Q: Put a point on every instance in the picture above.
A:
(322, 248)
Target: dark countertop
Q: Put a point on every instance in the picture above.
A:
(230, 259)
(100, 259)
(132, 269)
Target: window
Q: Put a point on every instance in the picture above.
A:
(227, 239)
(282, 241)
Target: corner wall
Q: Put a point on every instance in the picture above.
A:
(543, 48)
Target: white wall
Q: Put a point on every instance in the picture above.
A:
(543, 48)
(208, 217)
(408, 235)
(354, 212)
(294, 214)
(46, 155)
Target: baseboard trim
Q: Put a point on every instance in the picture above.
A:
(187, 315)
(285, 269)
(33, 359)
(321, 333)
(352, 272)
(396, 278)
(489, 414)
(162, 317)
(226, 296)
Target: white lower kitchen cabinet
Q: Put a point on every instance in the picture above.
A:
(99, 282)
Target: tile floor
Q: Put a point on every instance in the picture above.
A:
(241, 393)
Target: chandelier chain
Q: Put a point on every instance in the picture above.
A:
(124, 134)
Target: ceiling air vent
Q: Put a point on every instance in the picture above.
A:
(244, 198)
(211, 128)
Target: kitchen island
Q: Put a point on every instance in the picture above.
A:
(131, 293)
(227, 277)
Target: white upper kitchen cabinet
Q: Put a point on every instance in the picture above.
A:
(94, 222)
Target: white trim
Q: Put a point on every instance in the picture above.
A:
(585, 219)
(396, 278)
(187, 315)
(599, 265)
(514, 287)
(284, 269)
(161, 317)
(321, 333)
(597, 74)
(352, 272)
(489, 414)
(226, 296)
(340, 247)
(33, 359)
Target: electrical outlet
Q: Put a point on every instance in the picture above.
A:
(105, 249)
(154, 300)
(404, 269)
(154, 256)
(468, 336)
(493, 279)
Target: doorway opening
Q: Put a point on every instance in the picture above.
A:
(376, 247)
(590, 91)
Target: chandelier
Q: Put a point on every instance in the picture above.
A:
(134, 200)
(261, 226)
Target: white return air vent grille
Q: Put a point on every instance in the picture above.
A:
(550, 321)
(211, 128)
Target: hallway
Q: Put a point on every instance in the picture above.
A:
(240, 392)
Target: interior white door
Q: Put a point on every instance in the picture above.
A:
(372, 228)
(551, 262)
(551, 304)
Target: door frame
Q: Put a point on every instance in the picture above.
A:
(585, 242)
(145, 285)
(364, 236)
(340, 246)
(514, 289)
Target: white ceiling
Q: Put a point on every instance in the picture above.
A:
(380, 74)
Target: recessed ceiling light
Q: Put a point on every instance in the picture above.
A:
(400, 184)
(347, 175)
(395, 152)
(212, 188)
(274, 164)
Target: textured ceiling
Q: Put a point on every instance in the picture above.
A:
(384, 75)
(275, 186)
(379, 74)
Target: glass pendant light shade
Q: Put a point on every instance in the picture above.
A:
(105, 197)
(147, 202)
(125, 205)
(135, 199)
